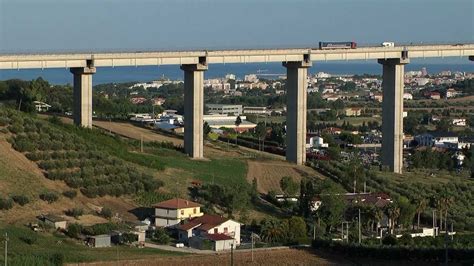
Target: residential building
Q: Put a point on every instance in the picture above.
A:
(434, 95)
(353, 111)
(172, 212)
(219, 121)
(256, 110)
(224, 109)
(41, 106)
(407, 96)
(437, 139)
(158, 101)
(251, 78)
(451, 93)
(316, 142)
(460, 122)
(138, 100)
(221, 231)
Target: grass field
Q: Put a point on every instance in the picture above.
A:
(45, 244)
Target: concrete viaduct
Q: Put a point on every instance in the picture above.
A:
(296, 61)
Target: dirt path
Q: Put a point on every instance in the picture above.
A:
(269, 173)
(267, 257)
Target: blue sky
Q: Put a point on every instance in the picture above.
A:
(48, 25)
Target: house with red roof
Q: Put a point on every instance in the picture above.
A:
(220, 232)
(172, 212)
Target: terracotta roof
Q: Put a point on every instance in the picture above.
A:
(177, 204)
(205, 222)
(217, 237)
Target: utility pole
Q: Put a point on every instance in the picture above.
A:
(6, 248)
(251, 236)
(359, 229)
(231, 254)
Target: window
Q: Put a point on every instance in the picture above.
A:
(167, 211)
(195, 210)
(216, 230)
(182, 212)
(225, 230)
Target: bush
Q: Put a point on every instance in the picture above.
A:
(390, 240)
(6, 203)
(29, 239)
(106, 213)
(74, 212)
(129, 238)
(74, 230)
(21, 199)
(49, 197)
(160, 236)
(70, 194)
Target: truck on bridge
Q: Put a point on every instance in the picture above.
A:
(337, 45)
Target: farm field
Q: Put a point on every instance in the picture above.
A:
(269, 173)
(261, 257)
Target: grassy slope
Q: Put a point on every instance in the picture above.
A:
(72, 250)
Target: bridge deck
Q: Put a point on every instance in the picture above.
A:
(112, 59)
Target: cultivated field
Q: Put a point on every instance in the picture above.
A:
(263, 257)
(269, 173)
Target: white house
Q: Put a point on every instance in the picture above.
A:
(407, 96)
(173, 211)
(41, 106)
(315, 142)
(460, 122)
(222, 232)
(436, 139)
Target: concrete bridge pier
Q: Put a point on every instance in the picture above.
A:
(194, 108)
(392, 113)
(82, 93)
(296, 93)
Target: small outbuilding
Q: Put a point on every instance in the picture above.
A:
(99, 241)
(55, 221)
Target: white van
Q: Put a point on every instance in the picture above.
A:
(388, 44)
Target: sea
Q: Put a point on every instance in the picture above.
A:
(267, 70)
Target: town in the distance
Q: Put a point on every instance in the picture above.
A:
(126, 183)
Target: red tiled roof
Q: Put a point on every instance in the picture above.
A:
(205, 222)
(177, 204)
(217, 237)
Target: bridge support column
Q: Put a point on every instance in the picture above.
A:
(194, 109)
(392, 113)
(82, 93)
(296, 93)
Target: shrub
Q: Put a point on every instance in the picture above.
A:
(74, 230)
(70, 194)
(21, 199)
(390, 240)
(29, 239)
(129, 238)
(49, 196)
(6, 203)
(75, 212)
(160, 236)
(106, 213)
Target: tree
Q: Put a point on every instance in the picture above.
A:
(297, 228)
(238, 121)
(288, 186)
(407, 212)
(273, 230)
(393, 212)
(206, 128)
(332, 210)
(160, 236)
(421, 204)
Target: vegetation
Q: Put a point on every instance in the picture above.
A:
(29, 248)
